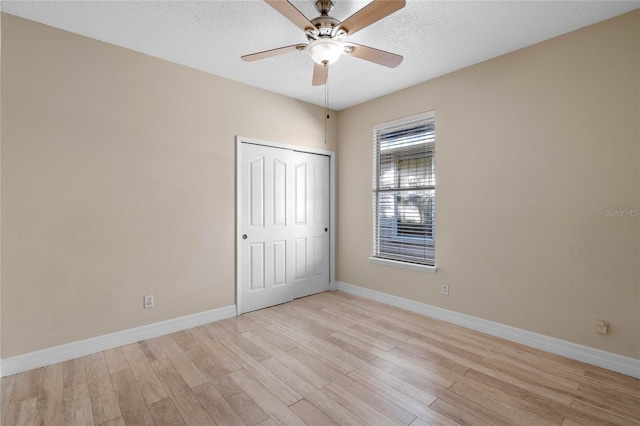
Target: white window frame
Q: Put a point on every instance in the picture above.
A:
(380, 259)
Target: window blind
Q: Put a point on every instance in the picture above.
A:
(404, 191)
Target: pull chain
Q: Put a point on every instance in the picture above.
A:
(326, 105)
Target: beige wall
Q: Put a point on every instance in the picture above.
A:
(118, 177)
(532, 148)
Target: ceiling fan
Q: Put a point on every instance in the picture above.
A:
(327, 35)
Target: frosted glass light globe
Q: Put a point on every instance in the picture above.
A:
(325, 51)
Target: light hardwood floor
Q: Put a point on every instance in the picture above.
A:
(322, 360)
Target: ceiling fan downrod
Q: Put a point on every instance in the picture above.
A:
(324, 7)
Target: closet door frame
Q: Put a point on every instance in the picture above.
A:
(332, 203)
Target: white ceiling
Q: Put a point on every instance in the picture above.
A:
(435, 37)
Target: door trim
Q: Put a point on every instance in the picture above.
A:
(332, 204)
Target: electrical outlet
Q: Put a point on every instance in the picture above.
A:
(148, 301)
(602, 326)
(445, 289)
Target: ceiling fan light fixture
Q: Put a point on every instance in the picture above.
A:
(325, 51)
(326, 35)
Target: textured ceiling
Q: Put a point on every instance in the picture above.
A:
(435, 37)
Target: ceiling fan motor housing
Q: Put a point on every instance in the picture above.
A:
(324, 24)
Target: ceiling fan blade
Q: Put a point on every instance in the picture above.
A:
(320, 74)
(378, 56)
(273, 52)
(371, 13)
(290, 12)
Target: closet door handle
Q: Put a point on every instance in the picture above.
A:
(244, 236)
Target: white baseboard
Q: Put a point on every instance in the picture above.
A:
(44, 357)
(586, 354)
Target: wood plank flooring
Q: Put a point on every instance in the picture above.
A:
(327, 359)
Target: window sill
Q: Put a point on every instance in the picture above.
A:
(404, 265)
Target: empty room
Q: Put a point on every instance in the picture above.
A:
(272, 212)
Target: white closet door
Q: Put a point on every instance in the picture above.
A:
(310, 223)
(284, 214)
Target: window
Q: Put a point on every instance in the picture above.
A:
(404, 184)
